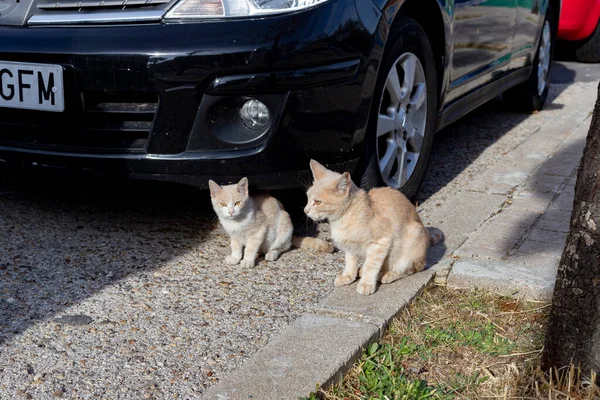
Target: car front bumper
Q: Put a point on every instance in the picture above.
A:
(136, 96)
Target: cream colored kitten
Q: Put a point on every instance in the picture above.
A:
(380, 227)
(256, 224)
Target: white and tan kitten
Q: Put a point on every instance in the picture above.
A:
(380, 227)
(256, 224)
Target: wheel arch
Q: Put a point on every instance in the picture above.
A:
(433, 16)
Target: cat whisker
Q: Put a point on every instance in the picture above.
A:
(306, 183)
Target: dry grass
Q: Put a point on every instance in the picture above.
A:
(461, 345)
(566, 384)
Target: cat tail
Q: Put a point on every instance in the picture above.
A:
(307, 242)
(436, 237)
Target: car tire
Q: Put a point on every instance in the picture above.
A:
(531, 95)
(407, 49)
(588, 51)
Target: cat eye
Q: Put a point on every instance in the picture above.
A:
(317, 202)
(223, 204)
(237, 203)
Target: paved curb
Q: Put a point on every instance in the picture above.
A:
(317, 348)
(516, 252)
(504, 278)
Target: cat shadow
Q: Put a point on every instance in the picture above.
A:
(435, 252)
(63, 241)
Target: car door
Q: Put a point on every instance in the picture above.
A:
(483, 33)
(529, 19)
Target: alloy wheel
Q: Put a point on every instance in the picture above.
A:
(544, 58)
(402, 120)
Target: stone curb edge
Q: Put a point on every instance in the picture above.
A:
(320, 346)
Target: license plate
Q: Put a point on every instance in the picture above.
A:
(31, 86)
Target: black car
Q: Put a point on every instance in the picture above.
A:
(187, 90)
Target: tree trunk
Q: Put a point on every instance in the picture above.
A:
(573, 333)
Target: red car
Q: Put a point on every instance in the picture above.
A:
(579, 24)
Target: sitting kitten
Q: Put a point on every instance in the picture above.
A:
(380, 226)
(259, 223)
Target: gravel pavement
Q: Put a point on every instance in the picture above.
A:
(122, 293)
(118, 290)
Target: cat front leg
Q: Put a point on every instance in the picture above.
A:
(376, 255)
(252, 246)
(350, 271)
(236, 252)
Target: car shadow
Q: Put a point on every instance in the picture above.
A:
(464, 140)
(62, 241)
(561, 73)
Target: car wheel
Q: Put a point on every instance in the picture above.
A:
(403, 113)
(532, 94)
(589, 50)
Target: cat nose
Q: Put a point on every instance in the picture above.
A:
(231, 212)
(306, 210)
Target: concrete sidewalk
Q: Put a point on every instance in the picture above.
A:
(516, 252)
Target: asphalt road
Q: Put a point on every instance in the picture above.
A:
(112, 290)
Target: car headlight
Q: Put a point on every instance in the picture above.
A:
(210, 9)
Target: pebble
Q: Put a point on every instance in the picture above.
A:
(75, 320)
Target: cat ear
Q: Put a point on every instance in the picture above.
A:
(343, 185)
(242, 186)
(317, 169)
(214, 188)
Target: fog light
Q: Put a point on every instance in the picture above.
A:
(255, 115)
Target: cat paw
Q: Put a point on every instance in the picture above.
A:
(365, 288)
(389, 277)
(272, 255)
(231, 260)
(247, 263)
(343, 280)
